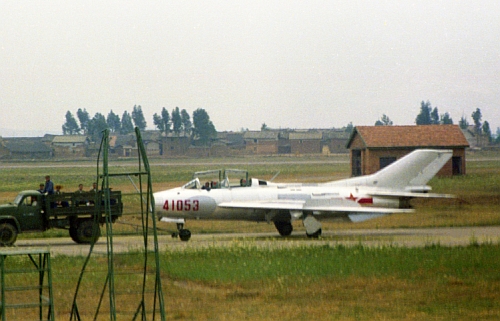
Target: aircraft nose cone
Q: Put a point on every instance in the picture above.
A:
(207, 205)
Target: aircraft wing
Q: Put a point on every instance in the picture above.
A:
(293, 205)
(300, 205)
(410, 194)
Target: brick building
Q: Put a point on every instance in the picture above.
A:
(374, 147)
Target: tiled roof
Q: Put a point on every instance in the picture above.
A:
(265, 135)
(65, 139)
(410, 136)
(26, 145)
(305, 135)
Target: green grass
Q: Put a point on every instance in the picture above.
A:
(247, 263)
(244, 282)
(339, 283)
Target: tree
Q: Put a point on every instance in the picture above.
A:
(349, 128)
(162, 122)
(203, 128)
(487, 131)
(435, 116)
(138, 118)
(384, 121)
(424, 118)
(176, 121)
(476, 116)
(186, 122)
(446, 119)
(126, 126)
(113, 122)
(463, 123)
(84, 118)
(96, 127)
(70, 127)
(497, 139)
(264, 127)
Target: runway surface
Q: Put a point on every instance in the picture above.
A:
(374, 238)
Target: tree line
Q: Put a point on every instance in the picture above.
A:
(177, 122)
(431, 116)
(201, 128)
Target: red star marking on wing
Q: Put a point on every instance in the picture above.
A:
(352, 198)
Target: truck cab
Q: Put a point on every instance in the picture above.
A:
(29, 212)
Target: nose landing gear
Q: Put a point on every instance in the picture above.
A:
(182, 233)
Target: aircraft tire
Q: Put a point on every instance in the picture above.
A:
(315, 234)
(184, 234)
(284, 228)
(8, 234)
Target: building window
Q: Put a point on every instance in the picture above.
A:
(356, 163)
(385, 161)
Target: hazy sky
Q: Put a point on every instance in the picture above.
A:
(293, 64)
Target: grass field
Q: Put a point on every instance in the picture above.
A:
(304, 283)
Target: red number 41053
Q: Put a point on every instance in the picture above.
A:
(181, 205)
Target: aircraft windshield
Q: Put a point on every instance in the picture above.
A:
(192, 184)
(212, 179)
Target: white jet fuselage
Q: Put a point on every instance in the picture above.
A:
(258, 202)
(354, 199)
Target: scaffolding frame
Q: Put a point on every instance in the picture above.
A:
(43, 268)
(147, 214)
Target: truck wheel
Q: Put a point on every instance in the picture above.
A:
(86, 232)
(72, 234)
(8, 234)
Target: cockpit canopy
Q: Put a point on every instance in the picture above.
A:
(219, 179)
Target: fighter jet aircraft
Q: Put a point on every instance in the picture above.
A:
(354, 199)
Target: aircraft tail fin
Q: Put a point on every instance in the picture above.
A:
(413, 170)
(410, 173)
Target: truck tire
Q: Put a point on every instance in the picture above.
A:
(72, 233)
(8, 234)
(86, 232)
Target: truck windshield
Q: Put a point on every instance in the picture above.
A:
(18, 199)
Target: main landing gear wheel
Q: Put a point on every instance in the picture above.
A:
(284, 228)
(315, 234)
(184, 234)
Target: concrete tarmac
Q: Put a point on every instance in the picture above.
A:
(461, 236)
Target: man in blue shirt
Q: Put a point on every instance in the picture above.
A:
(49, 186)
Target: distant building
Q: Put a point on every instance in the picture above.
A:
(24, 148)
(476, 140)
(70, 145)
(305, 142)
(123, 145)
(175, 145)
(334, 141)
(374, 147)
(261, 142)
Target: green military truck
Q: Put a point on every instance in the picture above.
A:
(76, 212)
